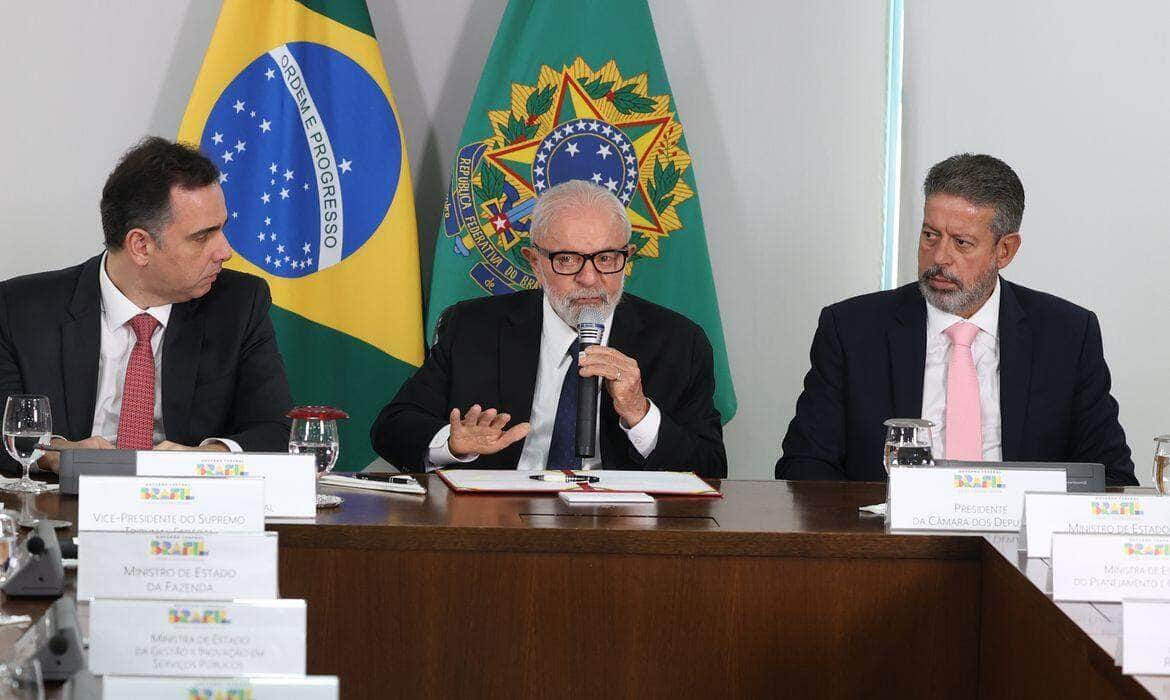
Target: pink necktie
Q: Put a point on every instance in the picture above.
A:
(136, 421)
(964, 430)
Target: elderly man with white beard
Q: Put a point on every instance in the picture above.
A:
(498, 387)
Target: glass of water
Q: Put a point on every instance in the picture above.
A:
(21, 680)
(27, 424)
(1161, 462)
(909, 443)
(314, 431)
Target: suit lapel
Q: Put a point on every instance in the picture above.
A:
(81, 335)
(623, 337)
(182, 347)
(519, 344)
(907, 343)
(1015, 369)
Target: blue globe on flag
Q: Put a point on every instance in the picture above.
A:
(308, 164)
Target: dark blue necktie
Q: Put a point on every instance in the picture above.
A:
(562, 451)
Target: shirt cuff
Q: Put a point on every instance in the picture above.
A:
(644, 435)
(439, 455)
(232, 445)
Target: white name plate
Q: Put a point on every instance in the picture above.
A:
(290, 481)
(211, 566)
(136, 688)
(134, 503)
(1145, 637)
(1108, 568)
(200, 638)
(977, 499)
(1091, 514)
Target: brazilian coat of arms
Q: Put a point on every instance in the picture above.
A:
(574, 123)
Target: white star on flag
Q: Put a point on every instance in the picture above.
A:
(630, 160)
(267, 221)
(284, 193)
(540, 157)
(596, 178)
(305, 187)
(604, 151)
(572, 149)
(288, 174)
(217, 138)
(625, 147)
(606, 130)
(309, 261)
(252, 113)
(222, 178)
(272, 168)
(227, 156)
(239, 105)
(611, 184)
(346, 165)
(500, 223)
(593, 126)
(280, 248)
(241, 146)
(265, 126)
(267, 258)
(235, 214)
(272, 237)
(277, 263)
(306, 247)
(270, 74)
(265, 198)
(538, 170)
(286, 258)
(272, 182)
(260, 236)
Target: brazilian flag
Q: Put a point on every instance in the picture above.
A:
(294, 105)
(577, 90)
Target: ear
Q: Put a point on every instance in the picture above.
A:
(1005, 249)
(139, 246)
(533, 258)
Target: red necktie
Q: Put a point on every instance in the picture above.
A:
(136, 421)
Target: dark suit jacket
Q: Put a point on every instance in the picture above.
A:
(487, 350)
(222, 374)
(868, 358)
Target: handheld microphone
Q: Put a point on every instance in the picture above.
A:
(590, 329)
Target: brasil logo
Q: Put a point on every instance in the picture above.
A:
(1115, 508)
(178, 548)
(571, 124)
(310, 155)
(979, 481)
(206, 616)
(1140, 549)
(213, 469)
(165, 493)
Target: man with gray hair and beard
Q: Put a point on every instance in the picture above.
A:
(1005, 373)
(498, 387)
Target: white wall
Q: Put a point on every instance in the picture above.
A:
(1072, 95)
(782, 103)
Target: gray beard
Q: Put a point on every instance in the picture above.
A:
(962, 301)
(572, 314)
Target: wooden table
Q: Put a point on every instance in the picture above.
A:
(776, 589)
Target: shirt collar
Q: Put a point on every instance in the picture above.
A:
(987, 317)
(560, 335)
(117, 309)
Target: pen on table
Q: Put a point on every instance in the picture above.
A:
(393, 479)
(48, 448)
(576, 479)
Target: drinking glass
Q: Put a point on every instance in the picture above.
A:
(1161, 462)
(909, 443)
(314, 430)
(8, 563)
(21, 680)
(27, 424)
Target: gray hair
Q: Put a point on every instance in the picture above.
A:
(573, 195)
(982, 180)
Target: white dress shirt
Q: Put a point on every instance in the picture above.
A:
(985, 352)
(117, 340)
(555, 338)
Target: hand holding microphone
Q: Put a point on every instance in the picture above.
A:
(623, 378)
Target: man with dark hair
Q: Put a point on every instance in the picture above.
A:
(151, 344)
(1005, 373)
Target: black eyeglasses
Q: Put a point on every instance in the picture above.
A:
(567, 262)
